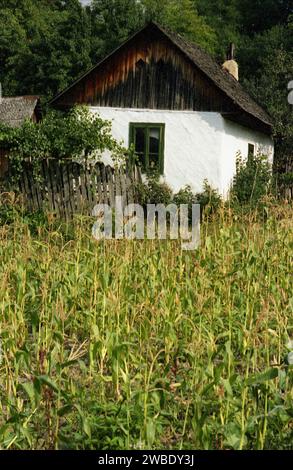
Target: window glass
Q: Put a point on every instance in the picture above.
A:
(140, 140)
(148, 140)
(154, 140)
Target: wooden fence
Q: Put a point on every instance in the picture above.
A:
(71, 188)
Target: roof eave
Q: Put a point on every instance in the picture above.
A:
(171, 37)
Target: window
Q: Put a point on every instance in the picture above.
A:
(250, 150)
(148, 140)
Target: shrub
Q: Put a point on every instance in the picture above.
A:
(73, 135)
(158, 192)
(252, 180)
(209, 199)
(8, 214)
(284, 183)
(153, 191)
(186, 196)
(11, 213)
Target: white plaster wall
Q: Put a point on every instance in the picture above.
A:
(198, 145)
(235, 140)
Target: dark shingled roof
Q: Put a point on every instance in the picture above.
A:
(15, 110)
(221, 78)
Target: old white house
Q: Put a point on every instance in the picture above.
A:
(186, 115)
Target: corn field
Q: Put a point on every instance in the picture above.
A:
(137, 344)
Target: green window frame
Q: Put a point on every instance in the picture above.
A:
(148, 148)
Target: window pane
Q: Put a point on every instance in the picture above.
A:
(154, 140)
(139, 140)
(148, 141)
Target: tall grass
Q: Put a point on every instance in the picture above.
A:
(136, 344)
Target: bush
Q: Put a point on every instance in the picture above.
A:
(209, 199)
(153, 191)
(284, 183)
(186, 196)
(64, 136)
(252, 180)
(8, 214)
(11, 213)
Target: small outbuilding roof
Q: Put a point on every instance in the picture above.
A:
(15, 110)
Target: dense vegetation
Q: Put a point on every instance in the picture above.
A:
(77, 134)
(46, 44)
(138, 345)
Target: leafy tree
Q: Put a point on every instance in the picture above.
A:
(267, 75)
(225, 18)
(44, 45)
(183, 18)
(111, 23)
(13, 46)
(261, 15)
(76, 134)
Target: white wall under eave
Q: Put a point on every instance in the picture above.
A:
(235, 140)
(193, 142)
(198, 145)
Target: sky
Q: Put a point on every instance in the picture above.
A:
(85, 2)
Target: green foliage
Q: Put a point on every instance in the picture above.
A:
(44, 45)
(209, 199)
(5, 135)
(166, 350)
(224, 17)
(112, 23)
(186, 196)
(253, 19)
(138, 345)
(252, 180)
(263, 34)
(77, 134)
(12, 211)
(276, 59)
(183, 18)
(284, 182)
(153, 191)
(8, 214)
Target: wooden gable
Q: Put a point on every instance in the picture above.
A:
(147, 72)
(158, 69)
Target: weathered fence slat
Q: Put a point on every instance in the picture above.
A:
(99, 184)
(109, 173)
(67, 188)
(105, 186)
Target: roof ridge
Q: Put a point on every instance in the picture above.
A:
(203, 61)
(225, 74)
